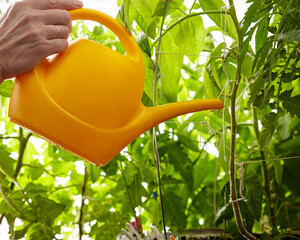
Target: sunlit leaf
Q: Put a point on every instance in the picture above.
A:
(6, 162)
(172, 6)
(189, 36)
(170, 67)
(6, 88)
(224, 21)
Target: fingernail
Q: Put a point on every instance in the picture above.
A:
(79, 4)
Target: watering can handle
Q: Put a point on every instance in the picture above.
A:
(129, 43)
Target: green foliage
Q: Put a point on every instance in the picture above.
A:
(5, 88)
(52, 192)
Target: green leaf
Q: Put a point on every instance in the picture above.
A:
(261, 34)
(224, 157)
(289, 77)
(269, 128)
(246, 46)
(251, 11)
(212, 89)
(180, 161)
(6, 162)
(174, 208)
(225, 213)
(94, 172)
(34, 190)
(222, 20)
(189, 36)
(283, 131)
(172, 6)
(141, 13)
(149, 75)
(6, 88)
(111, 167)
(48, 209)
(247, 215)
(61, 168)
(36, 172)
(254, 194)
(291, 145)
(291, 104)
(21, 233)
(247, 66)
(291, 175)
(255, 89)
(143, 42)
(170, 67)
(278, 171)
(290, 36)
(188, 142)
(124, 14)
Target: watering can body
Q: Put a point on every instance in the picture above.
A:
(87, 100)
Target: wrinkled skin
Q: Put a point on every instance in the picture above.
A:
(28, 33)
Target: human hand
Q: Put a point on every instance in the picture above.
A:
(31, 30)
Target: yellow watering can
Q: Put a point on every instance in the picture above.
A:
(87, 100)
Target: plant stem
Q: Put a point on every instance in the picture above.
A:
(83, 188)
(6, 199)
(23, 144)
(192, 6)
(233, 194)
(265, 173)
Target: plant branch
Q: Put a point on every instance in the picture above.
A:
(233, 193)
(61, 188)
(83, 189)
(6, 199)
(41, 167)
(192, 6)
(8, 137)
(23, 144)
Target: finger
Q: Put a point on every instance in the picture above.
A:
(57, 31)
(54, 46)
(55, 17)
(56, 4)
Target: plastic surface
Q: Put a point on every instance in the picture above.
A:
(87, 100)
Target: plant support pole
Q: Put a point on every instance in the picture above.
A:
(155, 149)
(83, 189)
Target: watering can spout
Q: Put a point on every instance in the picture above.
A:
(155, 115)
